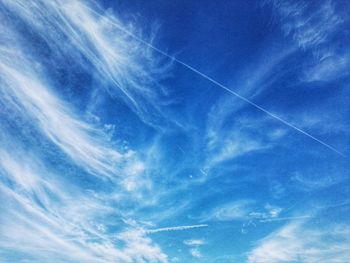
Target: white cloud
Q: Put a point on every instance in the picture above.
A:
(194, 245)
(29, 92)
(238, 210)
(300, 242)
(314, 183)
(229, 137)
(312, 28)
(329, 67)
(194, 242)
(46, 215)
(195, 253)
(247, 211)
(77, 139)
(51, 221)
(85, 33)
(269, 213)
(308, 28)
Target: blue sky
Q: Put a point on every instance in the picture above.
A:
(174, 131)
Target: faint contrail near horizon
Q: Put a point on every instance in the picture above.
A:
(221, 85)
(284, 218)
(175, 228)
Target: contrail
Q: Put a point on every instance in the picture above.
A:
(220, 85)
(175, 228)
(284, 218)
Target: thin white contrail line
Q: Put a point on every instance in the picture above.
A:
(174, 228)
(220, 85)
(284, 218)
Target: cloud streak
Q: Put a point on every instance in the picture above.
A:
(124, 68)
(48, 210)
(52, 221)
(230, 91)
(298, 241)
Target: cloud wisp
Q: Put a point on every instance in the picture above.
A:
(48, 211)
(101, 162)
(50, 222)
(230, 91)
(123, 66)
(302, 242)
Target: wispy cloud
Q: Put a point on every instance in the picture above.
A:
(93, 38)
(194, 242)
(52, 221)
(195, 253)
(228, 136)
(46, 213)
(309, 183)
(77, 139)
(237, 210)
(74, 76)
(298, 241)
(194, 247)
(243, 210)
(309, 27)
(313, 28)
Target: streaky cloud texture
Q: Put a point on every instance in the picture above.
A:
(54, 219)
(186, 131)
(299, 242)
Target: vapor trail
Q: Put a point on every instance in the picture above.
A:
(222, 86)
(175, 228)
(284, 218)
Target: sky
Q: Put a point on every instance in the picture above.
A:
(174, 131)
